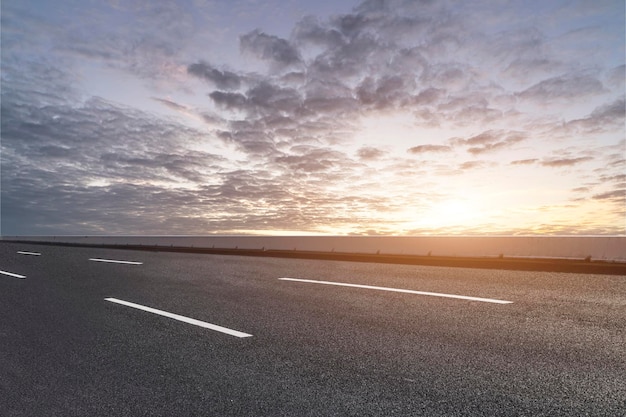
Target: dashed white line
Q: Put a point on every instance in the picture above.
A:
(114, 261)
(21, 252)
(371, 287)
(181, 318)
(12, 275)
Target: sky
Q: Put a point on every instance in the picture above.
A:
(298, 117)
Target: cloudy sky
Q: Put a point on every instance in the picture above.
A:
(313, 117)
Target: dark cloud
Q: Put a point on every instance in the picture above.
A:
(229, 100)
(274, 99)
(264, 98)
(386, 92)
(249, 138)
(349, 61)
(329, 98)
(171, 104)
(123, 171)
(222, 79)
(93, 169)
(270, 48)
(429, 148)
(32, 82)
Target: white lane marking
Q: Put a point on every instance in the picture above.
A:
(21, 252)
(12, 274)
(181, 318)
(113, 261)
(371, 287)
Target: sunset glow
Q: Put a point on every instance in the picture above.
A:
(303, 118)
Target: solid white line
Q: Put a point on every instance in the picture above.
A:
(181, 318)
(12, 274)
(113, 261)
(28, 253)
(371, 287)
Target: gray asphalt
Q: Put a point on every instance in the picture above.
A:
(316, 350)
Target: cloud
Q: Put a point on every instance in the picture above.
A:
(310, 31)
(564, 87)
(565, 162)
(172, 104)
(99, 168)
(229, 100)
(119, 171)
(249, 138)
(270, 48)
(274, 98)
(370, 153)
(616, 76)
(493, 143)
(472, 165)
(313, 160)
(280, 148)
(263, 98)
(525, 69)
(429, 148)
(525, 161)
(489, 141)
(386, 92)
(619, 195)
(603, 118)
(225, 80)
(614, 178)
(428, 96)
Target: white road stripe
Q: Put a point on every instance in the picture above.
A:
(181, 318)
(371, 287)
(113, 261)
(12, 274)
(21, 252)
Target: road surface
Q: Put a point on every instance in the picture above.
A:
(104, 332)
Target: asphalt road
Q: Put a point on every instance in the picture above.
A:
(557, 349)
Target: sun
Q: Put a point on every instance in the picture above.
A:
(452, 213)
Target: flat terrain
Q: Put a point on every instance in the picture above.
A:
(81, 335)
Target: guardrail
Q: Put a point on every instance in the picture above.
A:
(285, 248)
(605, 248)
